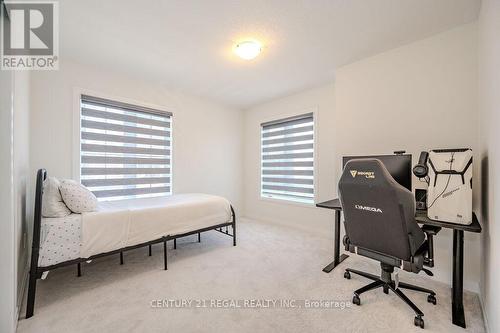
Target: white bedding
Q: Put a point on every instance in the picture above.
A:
(60, 239)
(123, 223)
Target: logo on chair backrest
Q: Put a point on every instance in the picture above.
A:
(367, 174)
(370, 209)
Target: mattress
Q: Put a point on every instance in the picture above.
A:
(118, 224)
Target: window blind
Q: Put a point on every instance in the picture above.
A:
(287, 169)
(125, 149)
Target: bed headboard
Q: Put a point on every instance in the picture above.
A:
(41, 175)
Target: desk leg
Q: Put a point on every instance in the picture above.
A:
(458, 278)
(337, 259)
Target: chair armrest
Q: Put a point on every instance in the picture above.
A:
(346, 242)
(430, 231)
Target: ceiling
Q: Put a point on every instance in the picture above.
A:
(187, 44)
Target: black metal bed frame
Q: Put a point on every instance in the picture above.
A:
(36, 271)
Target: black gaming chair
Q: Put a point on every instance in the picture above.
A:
(380, 224)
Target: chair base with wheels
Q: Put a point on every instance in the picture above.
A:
(386, 283)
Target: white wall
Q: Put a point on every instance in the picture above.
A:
(489, 106)
(416, 97)
(206, 136)
(23, 210)
(7, 233)
(321, 101)
(14, 149)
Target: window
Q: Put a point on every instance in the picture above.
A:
(125, 149)
(287, 169)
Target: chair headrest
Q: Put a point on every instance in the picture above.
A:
(367, 171)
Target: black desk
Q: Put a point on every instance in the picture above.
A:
(421, 217)
(337, 258)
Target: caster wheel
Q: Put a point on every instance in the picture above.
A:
(431, 299)
(386, 290)
(418, 321)
(356, 300)
(347, 275)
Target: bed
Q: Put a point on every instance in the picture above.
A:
(119, 226)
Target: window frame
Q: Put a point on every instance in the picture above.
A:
(76, 160)
(282, 116)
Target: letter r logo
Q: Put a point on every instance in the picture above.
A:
(18, 25)
(29, 29)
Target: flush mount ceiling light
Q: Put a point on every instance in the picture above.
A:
(248, 49)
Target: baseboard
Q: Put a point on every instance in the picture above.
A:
(24, 287)
(483, 310)
(471, 286)
(305, 228)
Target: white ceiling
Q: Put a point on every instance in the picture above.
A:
(187, 44)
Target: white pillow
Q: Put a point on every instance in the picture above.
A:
(77, 197)
(52, 203)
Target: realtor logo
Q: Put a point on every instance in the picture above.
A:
(353, 173)
(30, 35)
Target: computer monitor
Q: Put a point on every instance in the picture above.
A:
(399, 166)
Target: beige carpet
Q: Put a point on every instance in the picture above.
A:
(270, 263)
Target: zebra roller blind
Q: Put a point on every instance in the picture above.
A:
(287, 169)
(125, 149)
